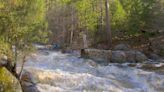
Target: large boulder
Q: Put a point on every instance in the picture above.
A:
(140, 57)
(154, 56)
(157, 45)
(8, 83)
(135, 56)
(118, 57)
(96, 54)
(131, 56)
(28, 77)
(28, 82)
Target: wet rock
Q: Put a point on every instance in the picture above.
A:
(123, 47)
(130, 56)
(28, 77)
(118, 57)
(152, 67)
(161, 53)
(160, 60)
(132, 65)
(154, 56)
(30, 89)
(66, 50)
(97, 55)
(157, 45)
(92, 63)
(114, 56)
(28, 82)
(135, 56)
(8, 83)
(140, 57)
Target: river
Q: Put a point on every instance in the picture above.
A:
(58, 72)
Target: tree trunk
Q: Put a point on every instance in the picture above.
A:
(24, 60)
(15, 50)
(101, 15)
(65, 33)
(72, 27)
(85, 41)
(108, 28)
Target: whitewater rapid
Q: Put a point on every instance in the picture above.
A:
(57, 72)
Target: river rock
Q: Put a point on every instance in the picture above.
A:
(135, 56)
(92, 63)
(140, 57)
(154, 56)
(132, 64)
(151, 67)
(97, 55)
(8, 83)
(28, 82)
(114, 56)
(131, 56)
(157, 45)
(123, 47)
(161, 60)
(27, 77)
(118, 57)
(30, 89)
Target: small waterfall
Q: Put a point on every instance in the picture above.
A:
(57, 72)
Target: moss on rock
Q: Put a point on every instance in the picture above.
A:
(8, 83)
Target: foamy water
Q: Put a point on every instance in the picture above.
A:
(57, 72)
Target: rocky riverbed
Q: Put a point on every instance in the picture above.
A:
(56, 72)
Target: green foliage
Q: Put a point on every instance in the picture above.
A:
(139, 13)
(127, 17)
(5, 49)
(130, 16)
(119, 15)
(21, 21)
(88, 17)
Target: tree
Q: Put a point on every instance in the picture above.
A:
(123, 18)
(108, 28)
(22, 22)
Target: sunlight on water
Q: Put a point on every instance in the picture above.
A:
(57, 72)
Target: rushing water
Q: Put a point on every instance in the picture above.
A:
(57, 72)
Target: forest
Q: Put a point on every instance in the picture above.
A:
(81, 45)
